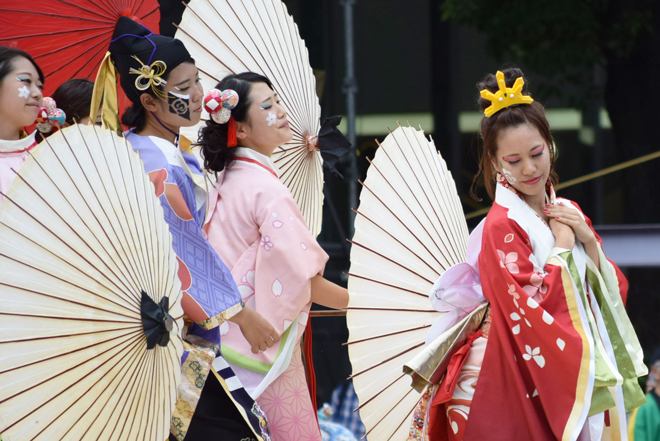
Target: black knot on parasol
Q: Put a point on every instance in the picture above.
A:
(332, 143)
(157, 323)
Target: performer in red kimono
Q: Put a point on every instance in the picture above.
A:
(557, 357)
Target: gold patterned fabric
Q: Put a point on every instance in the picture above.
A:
(222, 317)
(194, 372)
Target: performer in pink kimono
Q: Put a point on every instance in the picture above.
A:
(258, 231)
(21, 82)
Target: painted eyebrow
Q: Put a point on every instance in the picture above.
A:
(516, 154)
(24, 73)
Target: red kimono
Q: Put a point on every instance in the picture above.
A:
(562, 358)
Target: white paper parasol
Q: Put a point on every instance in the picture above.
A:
(409, 229)
(88, 282)
(233, 36)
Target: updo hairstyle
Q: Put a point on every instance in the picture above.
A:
(213, 136)
(511, 117)
(74, 97)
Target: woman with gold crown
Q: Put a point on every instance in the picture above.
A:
(556, 356)
(161, 80)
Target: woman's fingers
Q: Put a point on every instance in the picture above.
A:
(562, 212)
(572, 218)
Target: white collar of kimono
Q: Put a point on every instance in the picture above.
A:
(540, 235)
(175, 157)
(18, 145)
(245, 152)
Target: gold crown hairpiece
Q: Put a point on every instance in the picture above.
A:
(506, 96)
(150, 76)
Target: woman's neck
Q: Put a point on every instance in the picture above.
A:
(9, 132)
(264, 150)
(153, 127)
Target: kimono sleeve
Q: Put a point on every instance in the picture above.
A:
(537, 339)
(210, 293)
(620, 278)
(287, 257)
(508, 254)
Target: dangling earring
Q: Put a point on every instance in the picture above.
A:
(550, 192)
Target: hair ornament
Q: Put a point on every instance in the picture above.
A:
(505, 96)
(219, 104)
(150, 76)
(50, 117)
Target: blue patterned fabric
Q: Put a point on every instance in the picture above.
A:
(343, 402)
(213, 286)
(335, 432)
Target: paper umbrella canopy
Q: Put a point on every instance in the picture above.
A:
(68, 39)
(409, 229)
(234, 36)
(90, 311)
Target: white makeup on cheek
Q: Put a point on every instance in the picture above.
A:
(271, 119)
(23, 92)
(508, 176)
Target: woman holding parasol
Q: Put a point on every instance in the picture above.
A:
(258, 230)
(161, 80)
(556, 357)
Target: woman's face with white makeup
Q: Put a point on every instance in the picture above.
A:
(523, 158)
(266, 126)
(21, 97)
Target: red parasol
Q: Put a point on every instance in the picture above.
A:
(68, 38)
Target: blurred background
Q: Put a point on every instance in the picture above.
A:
(595, 65)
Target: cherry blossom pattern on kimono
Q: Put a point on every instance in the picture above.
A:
(538, 353)
(274, 274)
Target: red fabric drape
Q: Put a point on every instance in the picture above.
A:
(309, 363)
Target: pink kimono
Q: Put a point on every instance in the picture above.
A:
(12, 156)
(258, 231)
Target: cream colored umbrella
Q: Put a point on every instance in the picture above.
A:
(90, 311)
(234, 36)
(409, 229)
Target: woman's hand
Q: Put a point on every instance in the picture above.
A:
(571, 217)
(257, 330)
(564, 235)
(313, 143)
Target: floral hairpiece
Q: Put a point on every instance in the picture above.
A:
(50, 117)
(505, 96)
(219, 104)
(150, 76)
